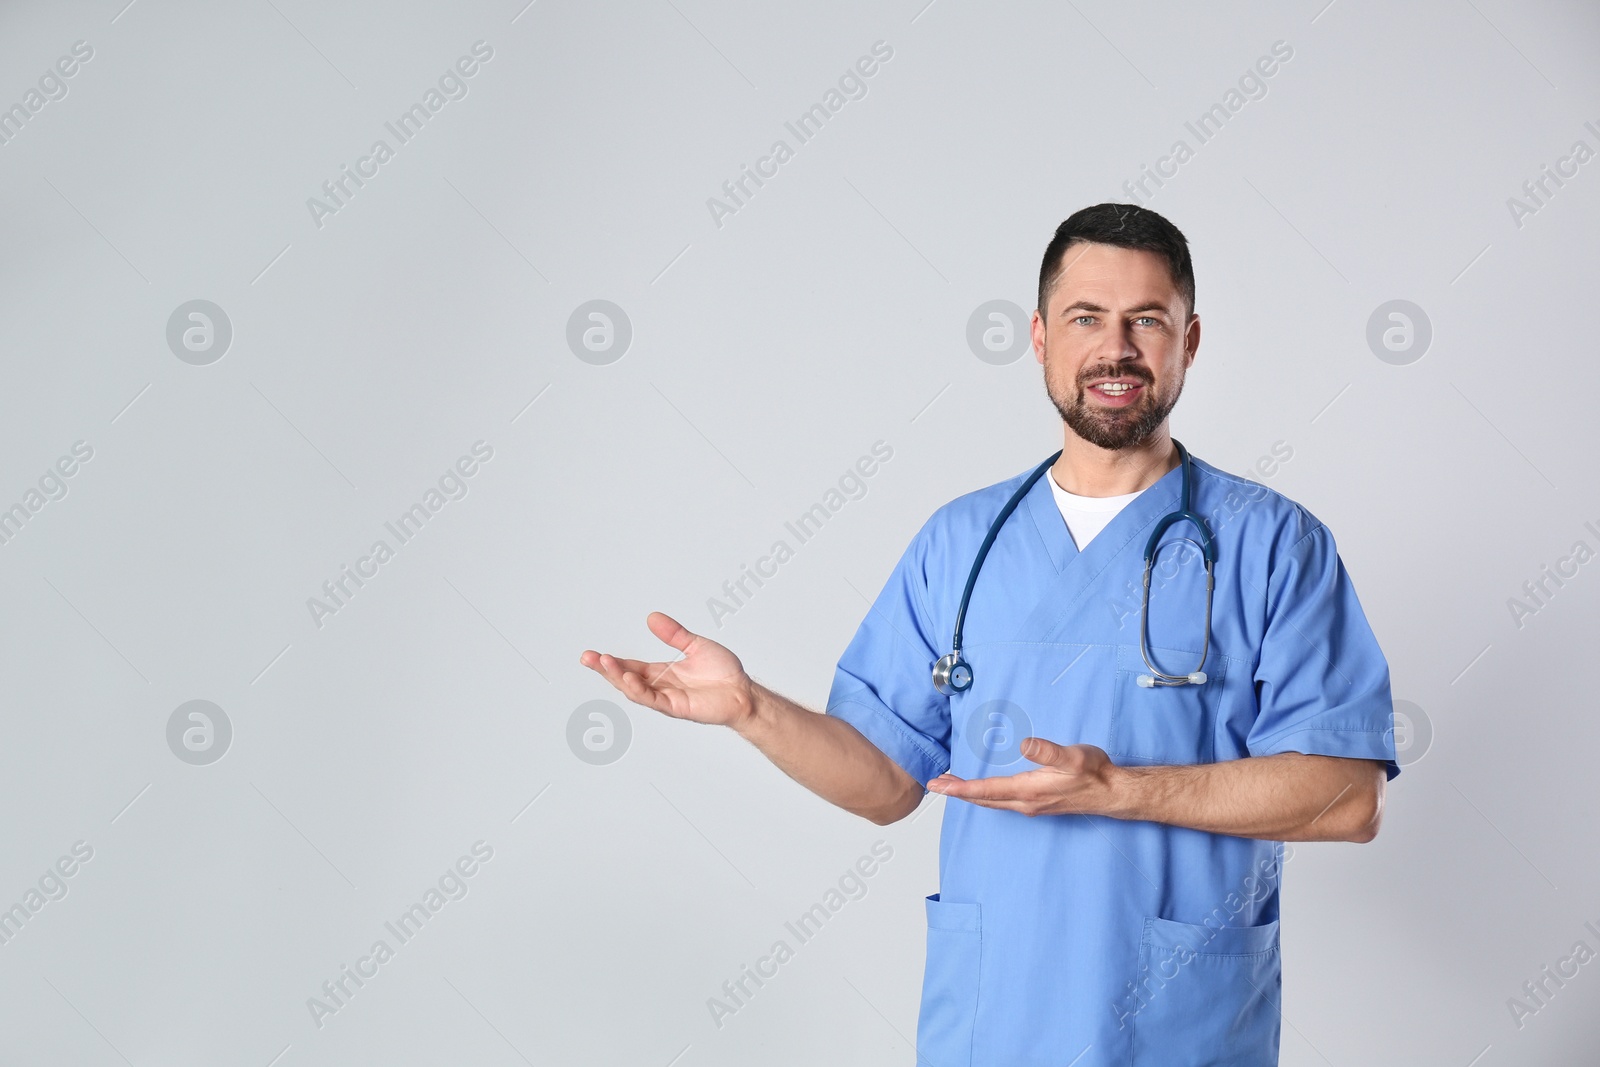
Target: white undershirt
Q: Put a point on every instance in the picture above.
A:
(1087, 515)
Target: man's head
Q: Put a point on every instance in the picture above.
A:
(1115, 328)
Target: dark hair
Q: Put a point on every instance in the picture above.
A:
(1125, 226)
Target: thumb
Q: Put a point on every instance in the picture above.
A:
(1046, 753)
(670, 630)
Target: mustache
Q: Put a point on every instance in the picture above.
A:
(1116, 371)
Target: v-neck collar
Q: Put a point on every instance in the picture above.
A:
(1052, 525)
(1076, 571)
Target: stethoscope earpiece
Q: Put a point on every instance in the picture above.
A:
(1147, 681)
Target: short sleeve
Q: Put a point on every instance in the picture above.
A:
(883, 685)
(1322, 683)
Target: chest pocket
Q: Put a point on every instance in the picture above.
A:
(1166, 724)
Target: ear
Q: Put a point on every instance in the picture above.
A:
(1191, 341)
(1036, 329)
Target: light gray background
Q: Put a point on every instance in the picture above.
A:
(768, 354)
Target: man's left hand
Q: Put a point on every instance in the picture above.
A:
(1071, 780)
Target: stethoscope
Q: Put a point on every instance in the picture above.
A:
(953, 674)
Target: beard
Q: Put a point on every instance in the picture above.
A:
(1114, 429)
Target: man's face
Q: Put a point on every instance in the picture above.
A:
(1115, 340)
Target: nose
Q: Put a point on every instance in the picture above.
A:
(1117, 343)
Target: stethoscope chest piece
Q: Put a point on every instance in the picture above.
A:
(952, 675)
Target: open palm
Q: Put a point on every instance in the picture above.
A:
(707, 685)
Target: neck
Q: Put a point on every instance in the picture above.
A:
(1089, 470)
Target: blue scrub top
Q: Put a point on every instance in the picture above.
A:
(1113, 941)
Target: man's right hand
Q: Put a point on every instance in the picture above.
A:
(707, 685)
(824, 753)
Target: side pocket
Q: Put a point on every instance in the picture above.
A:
(950, 983)
(1207, 996)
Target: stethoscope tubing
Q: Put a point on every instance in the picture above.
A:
(954, 666)
(988, 541)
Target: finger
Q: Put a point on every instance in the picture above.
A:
(988, 802)
(614, 670)
(997, 805)
(1023, 793)
(605, 666)
(639, 666)
(670, 630)
(613, 666)
(654, 674)
(634, 688)
(1001, 790)
(594, 661)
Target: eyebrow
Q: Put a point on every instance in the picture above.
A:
(1084, 305)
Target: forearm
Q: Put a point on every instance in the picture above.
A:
(1286, 797)
(829, 757)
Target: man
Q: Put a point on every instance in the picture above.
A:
(1108, 888)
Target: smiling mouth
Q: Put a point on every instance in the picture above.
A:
(1116, 394)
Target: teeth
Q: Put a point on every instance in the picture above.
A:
(1114, 388)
